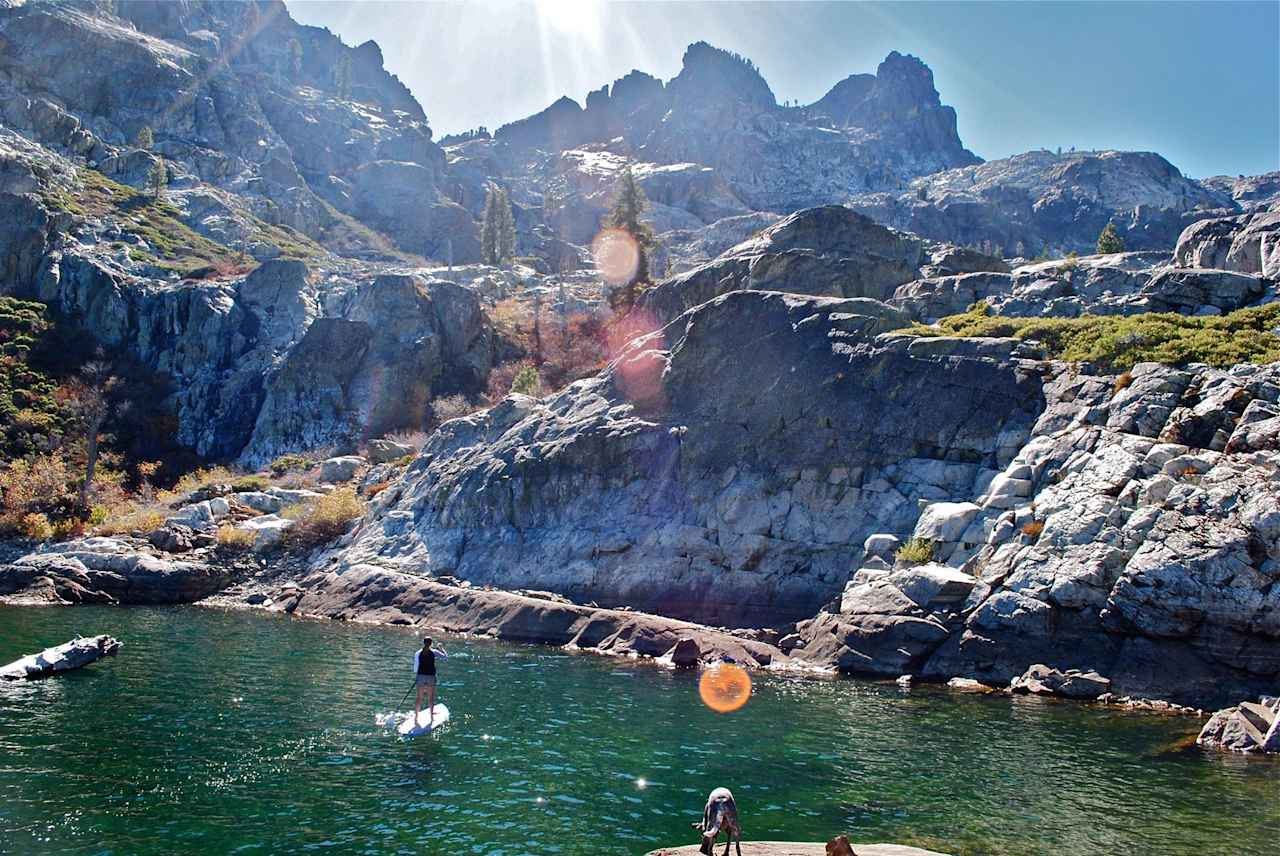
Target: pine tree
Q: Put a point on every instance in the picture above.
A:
(342, 76)
(158, 178)
(145, 139)
(294, 57)
(1110, 241)
(629, 204)
(506, 237)
(489, 227)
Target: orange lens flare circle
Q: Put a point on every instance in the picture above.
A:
(725, 688)
(617, 256)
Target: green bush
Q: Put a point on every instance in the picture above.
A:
(289, 463)
(1117, 343)
(248, 484)
(916, 551)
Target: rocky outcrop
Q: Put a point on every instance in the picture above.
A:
(829, 251)
(106, 570)
(1040, 199)
(1125, 535)
(231, 105)
(392, 345)
(1117, 284)
(1248, 244)
(1247, 727)
(637, 487)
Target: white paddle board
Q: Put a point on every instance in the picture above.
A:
(423, 724)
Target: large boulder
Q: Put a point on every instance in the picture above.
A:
(1248, 244)
(829, 251)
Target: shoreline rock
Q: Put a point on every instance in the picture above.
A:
(367, 593)
(1249, 727)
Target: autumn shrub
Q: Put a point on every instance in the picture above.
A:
(376, 488)
(35, 526)
(1033, 528)
(324, 519)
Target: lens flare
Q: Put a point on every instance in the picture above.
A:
(725, 688)
(617, 256)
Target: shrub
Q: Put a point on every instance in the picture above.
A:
(1122, 382)
(36, 527)
(289, 463)
(1033, 528)
(196, 479)
(527, 382)
(66, 529)
(325, 519)
(916, 551)
(248, 484)
(1070, 263)
(376, 488)
(1117, 342)
(450, 407)
(234, 539)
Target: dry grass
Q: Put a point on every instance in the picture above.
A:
(1122, 382)
(376, 488)
(323, 520)
(232, 538)
(195, 480)
(129, 519)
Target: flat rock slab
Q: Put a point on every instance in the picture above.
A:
(796, 848)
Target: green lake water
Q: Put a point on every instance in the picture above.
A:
(229, 732)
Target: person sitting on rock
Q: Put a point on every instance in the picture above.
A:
(424, 668)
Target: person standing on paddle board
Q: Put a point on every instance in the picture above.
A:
(424, 669)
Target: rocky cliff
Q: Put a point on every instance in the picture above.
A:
(239, 97)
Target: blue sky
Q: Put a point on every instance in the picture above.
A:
(1197, 82)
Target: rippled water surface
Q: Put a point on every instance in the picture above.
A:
(217, 732)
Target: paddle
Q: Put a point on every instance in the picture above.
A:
(406, 695)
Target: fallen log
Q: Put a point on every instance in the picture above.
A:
(61, 658)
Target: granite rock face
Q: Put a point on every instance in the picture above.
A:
(1248, 244)
(636, 487)
(1132, 533)
(1042, 199)
(229, 107)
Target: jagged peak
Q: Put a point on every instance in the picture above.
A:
(710, 72)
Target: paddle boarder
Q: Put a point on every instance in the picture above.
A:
(424, 669)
